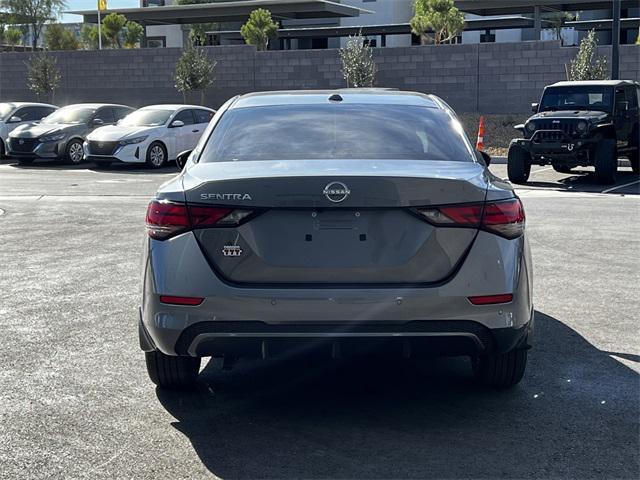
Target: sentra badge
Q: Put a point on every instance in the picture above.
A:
(225, 196)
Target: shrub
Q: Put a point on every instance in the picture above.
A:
(194, 72)
(587, 64)
(43, 75)
(358, 67)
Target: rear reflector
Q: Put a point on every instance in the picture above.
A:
(167, 219)
(505, 218)
(189, 301)
(491, 299)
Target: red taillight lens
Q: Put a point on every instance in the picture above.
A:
(188, 301)
(491, 299)
(167, 219)
(505, 218)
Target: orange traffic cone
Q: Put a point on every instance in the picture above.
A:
(480, 141)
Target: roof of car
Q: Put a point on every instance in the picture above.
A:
(605, 83)
(30, 104)
(174, 106)
(347, 95)
(98, 105)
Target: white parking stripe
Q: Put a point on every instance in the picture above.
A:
(620, 186)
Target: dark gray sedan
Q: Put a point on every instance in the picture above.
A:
(339, 221)
(60, 135)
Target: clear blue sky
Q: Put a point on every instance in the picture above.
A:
(92, 5)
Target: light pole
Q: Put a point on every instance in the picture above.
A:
(615, 41)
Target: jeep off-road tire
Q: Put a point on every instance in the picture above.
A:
(172, 372)
(605, 161)
(518, 164)
(634, 160)
(501, 370)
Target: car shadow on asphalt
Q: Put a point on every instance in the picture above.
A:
(574, 415)
(129, 169)
(584, 181)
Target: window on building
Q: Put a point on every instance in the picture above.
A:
(489, 36)
(153, 3)
(156, 42)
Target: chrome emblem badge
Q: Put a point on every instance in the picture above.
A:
(231, 251)
(21, 142)
(336, 192)
(100, 144)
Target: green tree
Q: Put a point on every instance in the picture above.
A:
(358, 67)
(56, 37)
(113, 26)
(13, 37)
(34, 14)
(587, 64)
(3, 30)
(89, 36)
(437, 21)
(43, 75)
(194, 72)
(557, 20)
(133, 33)
(259, 29)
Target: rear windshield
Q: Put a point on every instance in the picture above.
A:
(337, 131)
(586, 97)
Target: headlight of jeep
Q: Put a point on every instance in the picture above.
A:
(53, 138)
(132, 141)
(582, 127)
(531, 127)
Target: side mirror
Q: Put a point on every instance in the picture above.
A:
(97, 122)
(181, 159)
(484, 157)
(177, 124)
(534, 107)
(15, 119)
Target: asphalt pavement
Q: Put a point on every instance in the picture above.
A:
(75, 400)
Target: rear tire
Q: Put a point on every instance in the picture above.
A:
(562, 169)
(501, 370)
(518, 165)
(606, 161)
(634, 159)
(172, 372)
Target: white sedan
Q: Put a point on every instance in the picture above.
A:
(153, 135)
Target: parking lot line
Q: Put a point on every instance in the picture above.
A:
(618, 187)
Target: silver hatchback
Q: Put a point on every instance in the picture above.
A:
(336, 221)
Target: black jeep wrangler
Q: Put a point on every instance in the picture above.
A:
(580, 124)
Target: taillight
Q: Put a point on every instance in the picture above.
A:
(187, 301)
(505, 218)
(491, 299)
(167, 219)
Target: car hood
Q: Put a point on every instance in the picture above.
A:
(118, 132)
(590, 115)
(35, 130)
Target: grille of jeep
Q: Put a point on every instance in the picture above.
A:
(560, 129)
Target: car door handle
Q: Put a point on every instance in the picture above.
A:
(195, 131)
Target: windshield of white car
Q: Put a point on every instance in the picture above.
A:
(577, 98)
(70, 115)
(341, 131)
(5, 110)
(146, 118)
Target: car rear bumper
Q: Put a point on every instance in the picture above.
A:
(437, 319)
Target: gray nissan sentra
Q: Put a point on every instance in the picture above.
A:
(340, 222)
